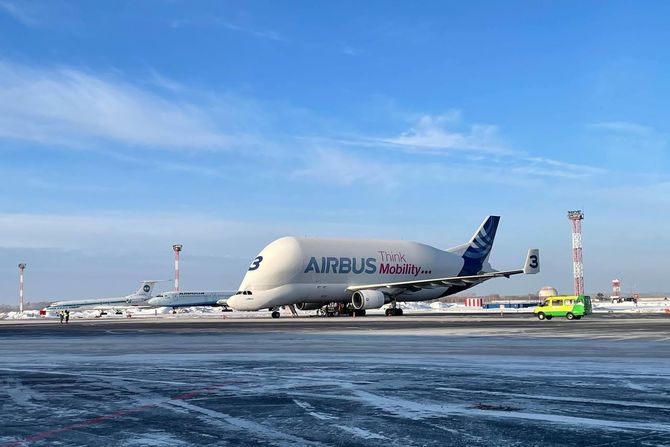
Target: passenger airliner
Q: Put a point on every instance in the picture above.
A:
(138, 298)
(188, 299)
(313, 272)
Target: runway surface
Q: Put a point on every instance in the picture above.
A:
(419, 380)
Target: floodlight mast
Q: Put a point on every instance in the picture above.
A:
(576, 218)
(22, 267)
(616, 290)
(177, 249)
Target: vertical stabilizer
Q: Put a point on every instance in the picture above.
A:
(476, 252)
(146, 288)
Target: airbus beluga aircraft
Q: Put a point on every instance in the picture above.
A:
(313, 272)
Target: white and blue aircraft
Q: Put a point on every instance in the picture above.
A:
(116, 304)
(190, 299)
(367, 274)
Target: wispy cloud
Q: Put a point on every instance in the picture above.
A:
(342, 168)
(350, 50)
(261, 34)
(161, 164)
(461, 148)
(337, 166)
(436, 133)
(19, 12)
(622, 127)
(642, 147)
(231, 26)
(75, 108)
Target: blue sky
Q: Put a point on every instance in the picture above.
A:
(128, 126)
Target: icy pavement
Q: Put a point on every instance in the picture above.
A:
(179, 388)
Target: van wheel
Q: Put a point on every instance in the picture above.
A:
(541, 315)
(570, 316)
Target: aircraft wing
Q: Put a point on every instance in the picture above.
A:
(532, 266)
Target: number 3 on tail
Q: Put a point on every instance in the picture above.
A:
(533, 263)
(257, 263)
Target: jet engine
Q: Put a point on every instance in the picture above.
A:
(309, 306)
(368, 299)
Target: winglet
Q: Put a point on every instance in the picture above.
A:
(532, 265)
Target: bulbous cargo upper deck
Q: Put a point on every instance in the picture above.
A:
(345, 261)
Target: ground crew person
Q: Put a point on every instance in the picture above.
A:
(61, 314)
(67, 316)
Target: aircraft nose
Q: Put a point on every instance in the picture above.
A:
(235, 302)
(242, 301)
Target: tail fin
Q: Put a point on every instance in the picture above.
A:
(476, 252)
(146, 288)
(532, 264)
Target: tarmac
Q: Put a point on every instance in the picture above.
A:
(608, 326)
(405, 381)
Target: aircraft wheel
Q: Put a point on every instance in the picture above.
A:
(399, 312)
(570, 316)
(549, 317)
(578, 317)
(275, 314)
(541, 315)
(388, 312)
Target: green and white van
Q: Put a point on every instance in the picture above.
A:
(571, 307)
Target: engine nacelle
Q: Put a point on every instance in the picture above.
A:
(309, 306)
(368, 299)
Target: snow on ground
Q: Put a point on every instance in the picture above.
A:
(291, 389)
(658, 306)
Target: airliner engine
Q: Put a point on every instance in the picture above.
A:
(368, 299)
(309, 306)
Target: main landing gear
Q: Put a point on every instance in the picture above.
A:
(394, 310)
(275, 312)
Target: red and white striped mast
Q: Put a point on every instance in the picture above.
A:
(177, 249)
(576, 218)
(616, 289)
(22, 267)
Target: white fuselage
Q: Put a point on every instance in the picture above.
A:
(187, 299)
(294, 270)
(98, 303)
